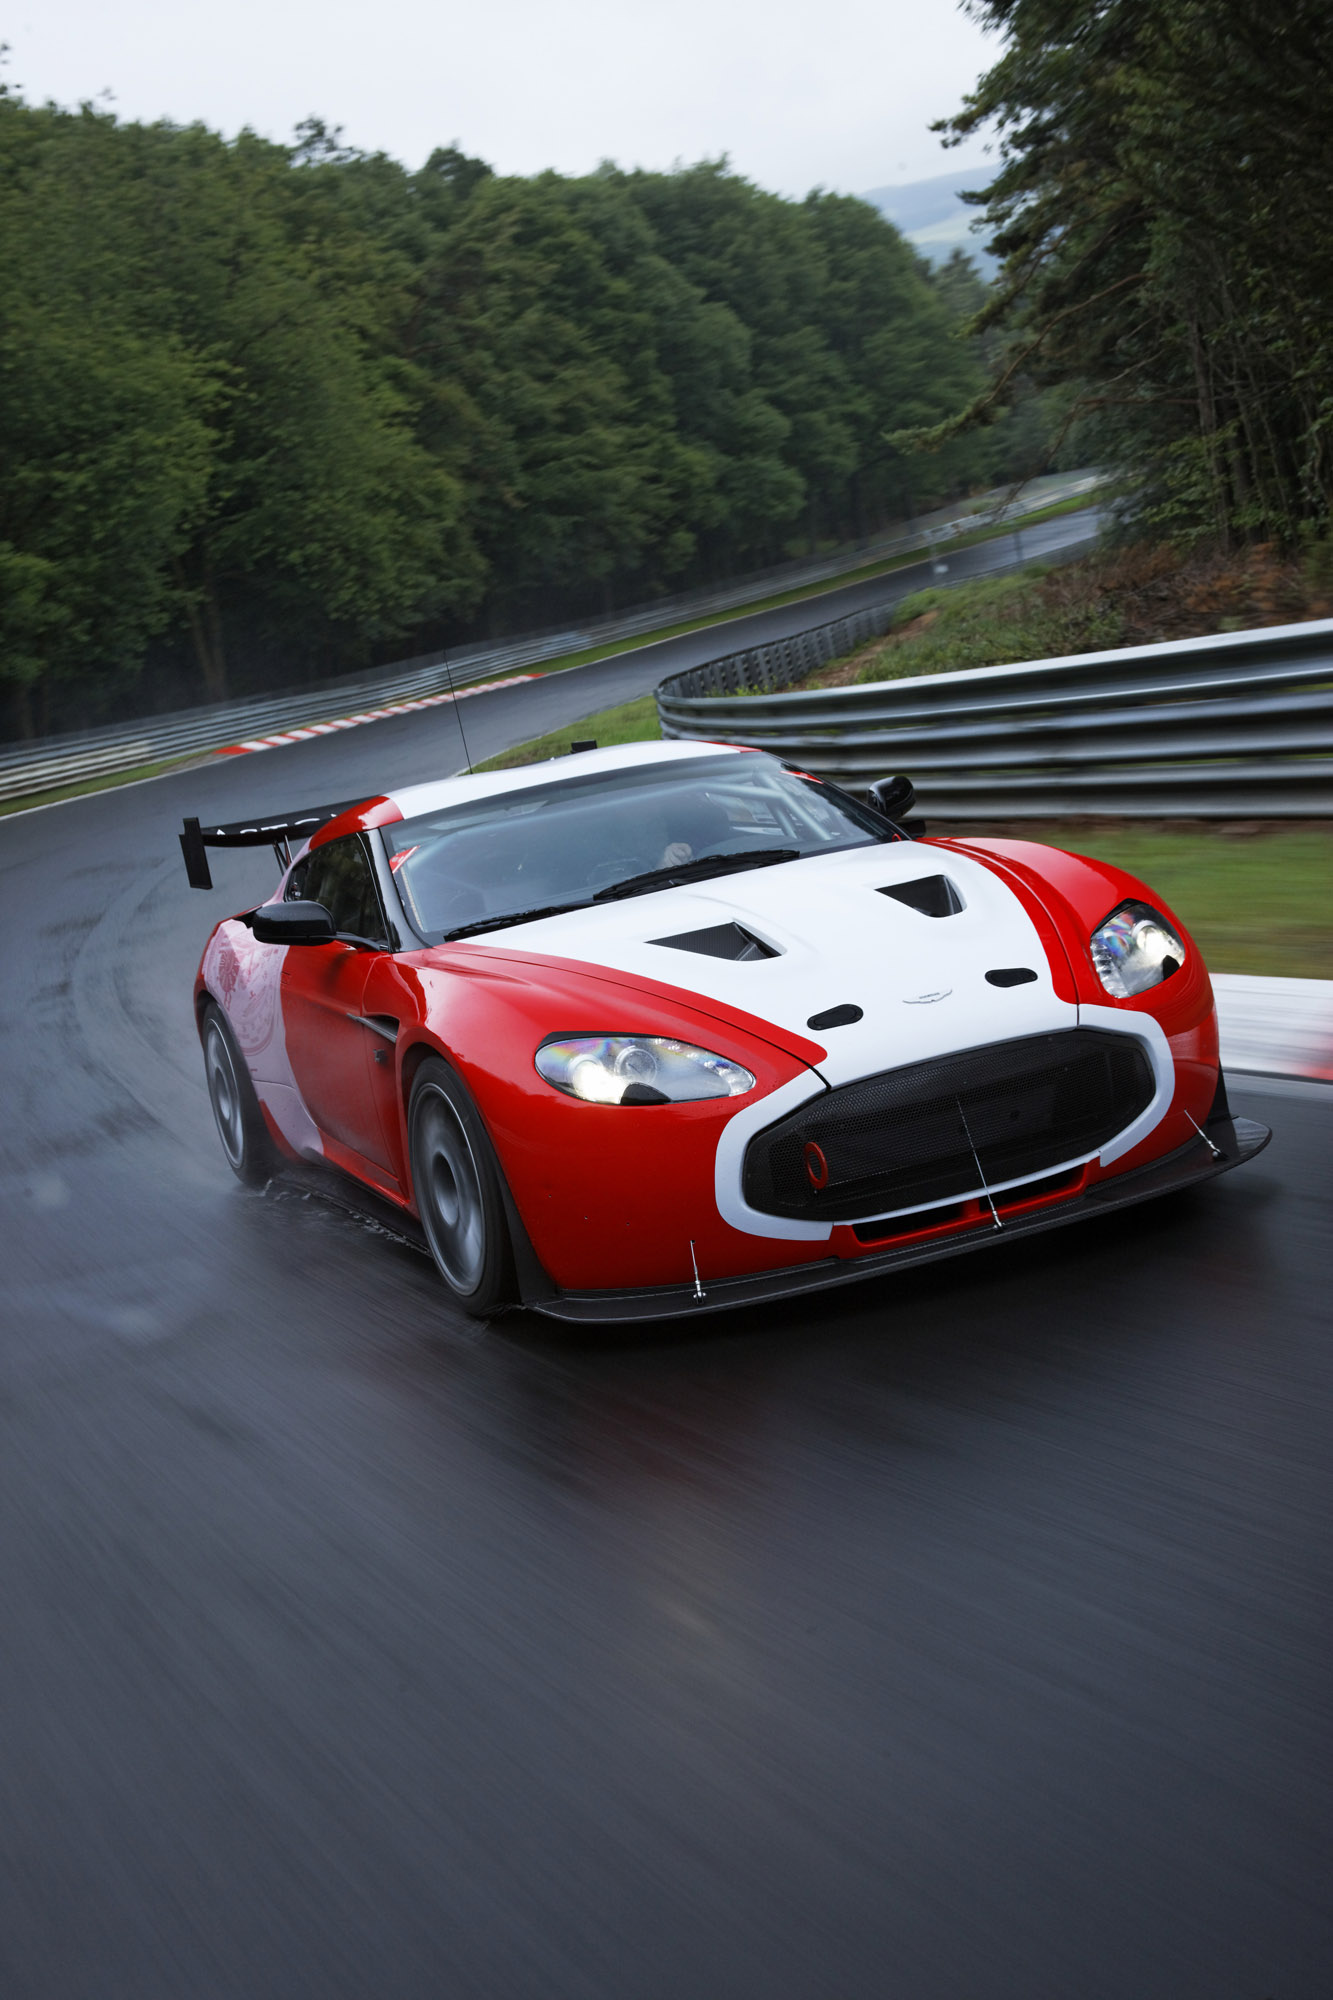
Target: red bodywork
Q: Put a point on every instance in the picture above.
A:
(612, 1198)
(1075, 895)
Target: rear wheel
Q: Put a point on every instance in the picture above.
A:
(456, 1183)
(250, 1151)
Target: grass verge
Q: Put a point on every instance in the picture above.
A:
(628, 722)
(1135, 595)
(1254, 895)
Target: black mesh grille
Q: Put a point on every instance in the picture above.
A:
(906, 1136)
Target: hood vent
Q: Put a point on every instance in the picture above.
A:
(719, 941)
(835, 1017)
(933, 895)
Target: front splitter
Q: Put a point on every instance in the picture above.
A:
(1236, 1140)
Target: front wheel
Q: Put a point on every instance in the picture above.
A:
(250, 1151)
(456, 1182)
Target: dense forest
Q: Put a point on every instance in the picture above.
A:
(268, 412)
(1166, 169)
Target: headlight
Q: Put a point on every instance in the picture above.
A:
(638, 1069)
(1135, 949)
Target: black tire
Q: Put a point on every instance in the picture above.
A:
(250, 1152)
(456, 1185)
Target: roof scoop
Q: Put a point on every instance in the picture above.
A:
(719, 941)
(932, 895)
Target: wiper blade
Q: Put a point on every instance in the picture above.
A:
(696, 871)
(512, 917)
(634, 885)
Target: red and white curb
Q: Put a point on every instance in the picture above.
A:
(1278, 1027)
(311, 729)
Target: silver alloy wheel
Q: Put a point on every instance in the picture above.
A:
(224, 1092)
(448, 1189)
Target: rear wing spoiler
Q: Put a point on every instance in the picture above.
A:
(277, 831)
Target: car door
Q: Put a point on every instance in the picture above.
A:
(330, 1042)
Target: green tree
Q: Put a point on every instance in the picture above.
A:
(278, 410)
(203, 415)
(104, 422)
(1161, 161)
(1027, 438)
(846, 335)
(324, 512)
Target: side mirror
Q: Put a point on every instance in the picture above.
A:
(894, 797)
(292, 923)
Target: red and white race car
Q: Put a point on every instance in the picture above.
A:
(653, 1030)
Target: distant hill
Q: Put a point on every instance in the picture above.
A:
(933, 218)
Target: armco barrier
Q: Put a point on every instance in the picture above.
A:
(1236, 726)
(28, 768)
(1276, 1027)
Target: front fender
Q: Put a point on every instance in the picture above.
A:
(1079, 893)
(611, 1195)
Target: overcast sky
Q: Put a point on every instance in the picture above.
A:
(800, 93)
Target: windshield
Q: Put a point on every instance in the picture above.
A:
(558, 845)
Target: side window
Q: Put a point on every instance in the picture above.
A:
(295, 892)
(339, 876)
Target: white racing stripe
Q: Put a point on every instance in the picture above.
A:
(919, 981)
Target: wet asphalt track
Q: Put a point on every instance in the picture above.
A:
(961, 1638)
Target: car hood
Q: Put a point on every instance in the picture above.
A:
(838, 941)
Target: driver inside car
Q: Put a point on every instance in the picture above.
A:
(695, 826)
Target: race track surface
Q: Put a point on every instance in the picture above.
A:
(493, 722)
(960, 1638)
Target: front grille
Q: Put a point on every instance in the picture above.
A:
(907, 1136)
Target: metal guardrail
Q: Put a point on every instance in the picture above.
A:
(1237, 726)
(46, 765)
(27, 768)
